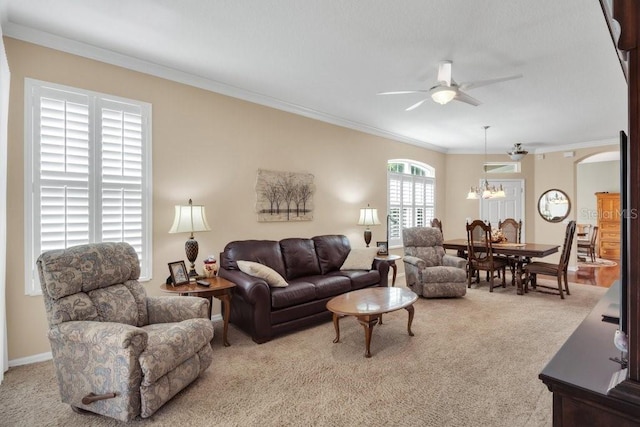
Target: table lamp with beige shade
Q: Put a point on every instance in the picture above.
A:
(189, 219)
(368, 216)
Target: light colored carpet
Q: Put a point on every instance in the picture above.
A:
(473, 361)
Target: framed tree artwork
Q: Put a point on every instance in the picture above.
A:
(284, 196)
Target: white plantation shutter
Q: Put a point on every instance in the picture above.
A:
(88, 172)
(122, 164)
(411, 198)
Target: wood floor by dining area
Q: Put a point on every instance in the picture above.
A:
(597, 276)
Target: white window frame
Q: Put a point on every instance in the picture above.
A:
(501, 167)
(429, 206)
(95, 102)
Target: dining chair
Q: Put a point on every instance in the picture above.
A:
(436, 223)
(512, 231)
(480, 254)
(558, 270)
(588, 246)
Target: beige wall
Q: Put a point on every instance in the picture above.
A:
(207, 147)
(557, 171)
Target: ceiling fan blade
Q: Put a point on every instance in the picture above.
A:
(479, 83)
(461, 96)
(416, 105)
(444, 72)
(399, 92)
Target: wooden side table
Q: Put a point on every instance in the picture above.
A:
(391, 260)
(219, 288)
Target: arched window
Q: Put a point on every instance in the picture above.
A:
(410, 196)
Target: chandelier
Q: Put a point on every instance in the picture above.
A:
(486, 191)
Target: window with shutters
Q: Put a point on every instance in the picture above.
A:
(87, 172)
(411, 197)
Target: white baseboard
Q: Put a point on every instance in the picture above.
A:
(31, 359)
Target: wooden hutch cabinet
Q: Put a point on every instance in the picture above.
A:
(608, 225)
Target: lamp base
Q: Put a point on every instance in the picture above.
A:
(367, 237)
(191, 249)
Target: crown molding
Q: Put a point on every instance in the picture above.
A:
(85, 50)
(579, 145)
(554, 149)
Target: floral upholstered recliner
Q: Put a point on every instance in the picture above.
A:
(116, 351)
(429, 271)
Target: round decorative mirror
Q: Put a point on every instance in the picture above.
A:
(554, 205)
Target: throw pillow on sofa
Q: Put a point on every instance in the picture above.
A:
(359, 259)
(269, 275)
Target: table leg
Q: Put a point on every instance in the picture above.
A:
(411, 311)
(520, 290)
(336, 326)
(394, 267)
(226, 301)
(368, 322)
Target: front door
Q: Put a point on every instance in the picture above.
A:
(511, 206)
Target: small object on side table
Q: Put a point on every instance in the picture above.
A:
(203, 282)
(391, 260)
(219, 288)
(210, 267)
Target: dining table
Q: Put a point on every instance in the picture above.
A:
(521, 252)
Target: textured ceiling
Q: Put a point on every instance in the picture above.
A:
(329, 58)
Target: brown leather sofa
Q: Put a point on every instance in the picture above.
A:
(311, 268)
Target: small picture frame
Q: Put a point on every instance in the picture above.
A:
(383, 248)
(178, 273)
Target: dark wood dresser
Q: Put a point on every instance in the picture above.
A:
(580, 373)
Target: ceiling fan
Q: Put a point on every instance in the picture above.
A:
(447, 89)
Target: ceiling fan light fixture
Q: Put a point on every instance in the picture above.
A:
(517, 152)
(443, 94)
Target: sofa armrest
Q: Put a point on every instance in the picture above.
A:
(383, 268)
(170, 309)
(251, 289)
(454, 261)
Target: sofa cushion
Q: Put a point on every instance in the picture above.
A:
(361, 278)
(265, 252)
(300, 258)
(268, 274)
(328, 286)
(297, 292)
(332, 250)
(359, 259)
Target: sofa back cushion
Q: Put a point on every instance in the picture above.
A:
(300, 258)
(332, 250)
(93, 282)
(266, 252)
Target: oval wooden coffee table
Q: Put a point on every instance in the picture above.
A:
(368, 306)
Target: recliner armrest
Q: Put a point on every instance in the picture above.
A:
(414, 261)
(170, 309)
(106, 334)
(454, 261)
